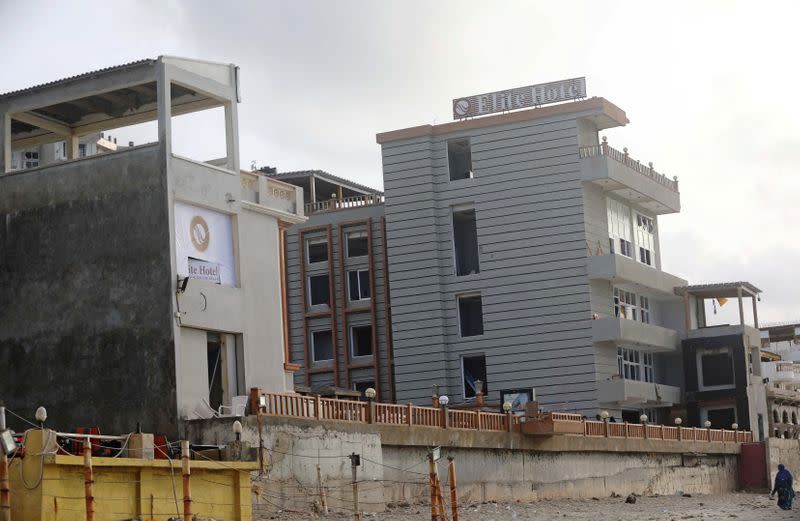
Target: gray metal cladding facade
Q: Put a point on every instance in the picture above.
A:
(529, 203)
(350, 220)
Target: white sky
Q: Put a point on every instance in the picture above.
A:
(708, 88)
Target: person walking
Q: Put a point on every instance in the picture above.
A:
(783, 487)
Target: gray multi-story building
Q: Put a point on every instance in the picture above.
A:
(524, 252)
(338, 310)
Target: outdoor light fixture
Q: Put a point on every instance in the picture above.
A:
(735, 426)
(507, 406)
(707, 424)
(182, 283)
(444, 400)
(237, 429)
(643, 418)
(370, 393)
(604, 415)
(41, 416)
(678, 421)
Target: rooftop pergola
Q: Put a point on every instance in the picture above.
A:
(722, 290)
(124, 95)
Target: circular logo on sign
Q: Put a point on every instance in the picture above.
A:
(198, 231)
(461, 107)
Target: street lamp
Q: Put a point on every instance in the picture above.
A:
(507, 407)
(735, 426)
(444, 400)
(604, 415)
(370, 393)
(237, 430)
(707, 424)
(678, 422)
(41, 416)
(643, 418)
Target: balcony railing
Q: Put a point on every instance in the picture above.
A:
(355, 201)
(604, 149)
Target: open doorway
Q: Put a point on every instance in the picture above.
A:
(223, 377)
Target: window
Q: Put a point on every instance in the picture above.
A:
(357, 244)
(645, 238)
(625, 304)
(715, 367)
(619, 228)
(363, 386)
(474, 369)
(459, 159)
(361, 341)
(358, 284)
(470, 315)
(321, 346)
(644, 304)
(465, 242)
(318, 290)
(635, 365)
(30, 159)
(317, 251)
(82, 150)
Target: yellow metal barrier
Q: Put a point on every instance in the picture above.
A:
(49, 487)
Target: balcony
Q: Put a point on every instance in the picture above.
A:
(781, 372)
(617, 173)
(345, 203)
(261, 191)
(635, 334)
(621, 392)
(620, 269)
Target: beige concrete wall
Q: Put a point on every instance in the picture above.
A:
(489, 466)
(782, 451)
(252, 310)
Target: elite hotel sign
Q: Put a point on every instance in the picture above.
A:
(520, 98)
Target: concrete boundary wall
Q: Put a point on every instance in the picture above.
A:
(489, 466)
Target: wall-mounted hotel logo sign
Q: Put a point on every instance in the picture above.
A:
(204, 244)
(199, 232)
(523, 97)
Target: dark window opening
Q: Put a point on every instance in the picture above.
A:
(459, 158)
(474, 370)
(631, 415)
(625, 248)
(470, 315)
(722, 418)
(717, 369)
(358, 284)
(363, 386)
(465, 241)
(319, 292)
(645, 256)
(357, 245)
(317, 252)
(361, 340)
(322, 346)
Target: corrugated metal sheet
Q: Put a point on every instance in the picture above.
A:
(97, 72)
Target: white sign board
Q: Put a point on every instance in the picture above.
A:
(523, 97)
(204, 244)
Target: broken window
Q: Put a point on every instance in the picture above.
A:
(317, 251)
(459, 159)
(357, 244)
(361, 340)
(358, 284)
(321, 346)
(474, 369)
(645, 238)
(318, 290)
(470, 315)
(465, 242)
(716, 368)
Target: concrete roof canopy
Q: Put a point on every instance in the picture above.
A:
(112, 97)
(719, 290)
(300, 175)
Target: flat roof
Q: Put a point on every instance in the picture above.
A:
(321, 174)
(604, 113)
(719, 289)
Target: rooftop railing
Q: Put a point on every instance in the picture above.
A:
(604, 149)
(355, 201)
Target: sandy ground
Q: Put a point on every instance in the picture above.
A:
(742, 507)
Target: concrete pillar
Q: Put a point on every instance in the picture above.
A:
(755, 311)
(232, 135)
(313, 193)
(72, 146)
(687, 313)
(741, 305)
(164, 89)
